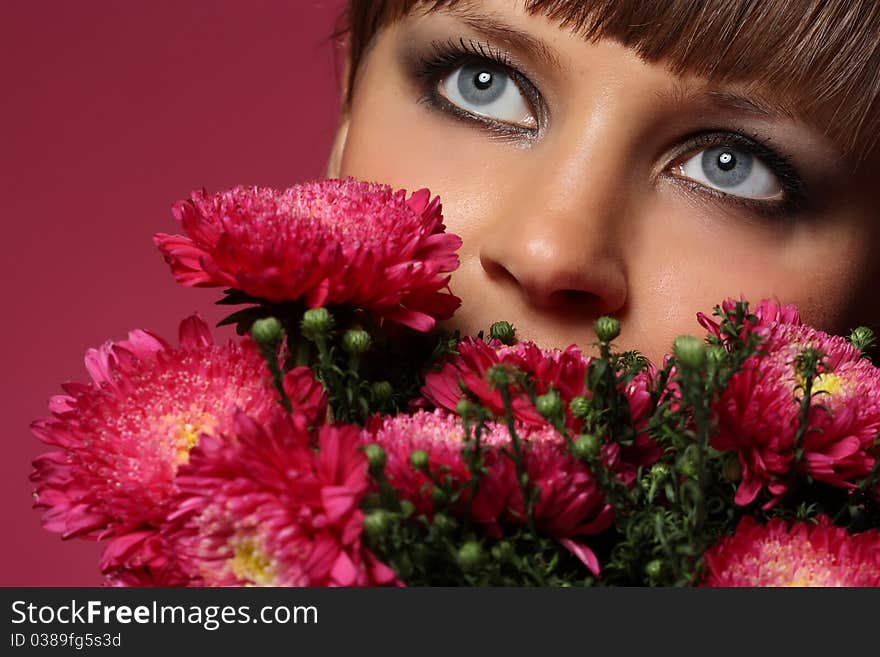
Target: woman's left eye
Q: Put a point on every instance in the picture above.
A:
(486, 89)
(733, 171)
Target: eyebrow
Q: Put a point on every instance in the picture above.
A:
(495, 29)
(751, 105)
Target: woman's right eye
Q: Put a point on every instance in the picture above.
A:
(487, 90)
(732, 171)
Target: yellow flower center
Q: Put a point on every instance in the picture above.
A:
(187, 437)
(185, 432)
(250, 564)
(823, 384)
(800, 582)
(827, 383)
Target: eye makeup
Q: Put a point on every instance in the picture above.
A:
(428, 66)
(428, 69)
(794, 198)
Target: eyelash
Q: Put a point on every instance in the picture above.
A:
(793, 185)
(447, 56)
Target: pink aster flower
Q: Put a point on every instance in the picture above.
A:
(441, 435)
(801, 554)
(758, 414)
(122, 437)
(327, 242)
(767, 313)
(644, 451)
(267, 509)
(570, 506)
(150, 564)
(561, 370)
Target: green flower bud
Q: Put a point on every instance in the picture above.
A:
(586, 447)
(690, 352)
(407, 508)
(654, 568)
(267, 331)
(503, 331)
(439, 496)
(375, 457)
(419, 459)
(580, 407)
(470, 556)
(607, 328)
(502, 551)
(443, 523)
(376, 523)
(498, 376)
(549, 405)
(659, 471)
(421, 552)
(807, 363)
(862, 338)
(356, 341)
(382, 391)
(464, 408)
(687, 467)
(316, 322)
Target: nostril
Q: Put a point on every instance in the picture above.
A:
(558, 285)
(496, 271)
(573, 297)
(580, 302)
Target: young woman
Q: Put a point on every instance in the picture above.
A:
(643, 160)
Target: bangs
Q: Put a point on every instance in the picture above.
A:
(821, 58)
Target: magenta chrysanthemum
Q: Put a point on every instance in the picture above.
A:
(441, 435)
(562, 370)
(268, 509)
(123, 436)
(327, 242)
(802, 554)
(570, 505)
(766, 313)
(758, 414)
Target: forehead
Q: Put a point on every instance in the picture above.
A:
(820, 58)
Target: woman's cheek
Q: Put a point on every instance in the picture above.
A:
(686, 259)
(383, 146)
(827, 269)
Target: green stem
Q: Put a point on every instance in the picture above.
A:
(303, 353)
(269, 356)
(804, 416)
(475, 465)
(701, 418)
(517, 455)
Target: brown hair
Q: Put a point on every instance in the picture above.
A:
(820, 56)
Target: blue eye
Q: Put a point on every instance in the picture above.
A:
(486, 89)
(733, 171)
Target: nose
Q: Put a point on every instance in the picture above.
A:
(556, 241)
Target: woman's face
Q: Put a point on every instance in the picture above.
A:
(586, 182)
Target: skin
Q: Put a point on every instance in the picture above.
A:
(591, 215)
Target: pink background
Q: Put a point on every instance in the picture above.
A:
(110, 112)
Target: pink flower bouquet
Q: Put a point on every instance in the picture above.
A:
(346, 439)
